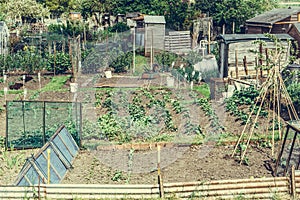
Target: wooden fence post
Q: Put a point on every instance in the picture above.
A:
(293, 183)
(236, 65)
(245, 65)
(160, 181)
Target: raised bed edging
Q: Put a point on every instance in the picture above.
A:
(256, 188)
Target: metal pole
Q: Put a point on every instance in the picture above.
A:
(208, 46)
(160, 181)
(44, 122)
(6, 138)
(48, 166)
(133, 66)
(151, 51)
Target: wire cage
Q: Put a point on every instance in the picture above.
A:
(30, 124)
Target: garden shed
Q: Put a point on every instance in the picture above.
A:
(294, 31)
(4, 38)
(275, 21)
(154, 33)
(238, 53)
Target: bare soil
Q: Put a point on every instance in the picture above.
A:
(209, 161)
(181, 164)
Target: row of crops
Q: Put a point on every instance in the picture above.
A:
(140, 115)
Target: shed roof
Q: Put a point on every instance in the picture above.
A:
(234, 38)
(151, 19)
(133, 14)
(297, 26)
(274, 15)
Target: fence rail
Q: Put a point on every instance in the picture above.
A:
(257, 188)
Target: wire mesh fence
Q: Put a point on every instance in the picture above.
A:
(29, 124)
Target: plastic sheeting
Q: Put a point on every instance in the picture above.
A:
(63, 150)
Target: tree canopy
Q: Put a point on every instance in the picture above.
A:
(178, 14)
(238, 11)
(24, 9)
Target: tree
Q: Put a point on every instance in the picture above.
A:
(57, 7)
(25, 10)
(176, 12)
(89, 7)
(229, 11)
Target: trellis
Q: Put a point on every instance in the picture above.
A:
(273, 95)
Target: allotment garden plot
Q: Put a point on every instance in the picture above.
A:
(151, 115)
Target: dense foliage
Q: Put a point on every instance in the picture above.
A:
(292, 82)
(179, 14)
(229, 11)
(25, 10)
(72, 28)
(145, 115)
(246, 96)
(31, 61)
(26, 60)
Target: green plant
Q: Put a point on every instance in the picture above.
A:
(122, 62)
(56, 83)
(118, 176)
(58, 63)
(119, 27)
(165, 59)
(246, 96)
(13, 160)
(203, 89)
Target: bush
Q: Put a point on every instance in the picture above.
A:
(122, 62)
(119, 27)
(62, 62)
(165, 59)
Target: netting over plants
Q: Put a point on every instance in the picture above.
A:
(31, 123)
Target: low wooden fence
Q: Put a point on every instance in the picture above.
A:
(258, 188)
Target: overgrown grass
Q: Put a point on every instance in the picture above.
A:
(203, 89)
(56, 83)
(140, 63)
(12, 92)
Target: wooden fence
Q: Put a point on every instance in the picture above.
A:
(178, 41)
(256, 188)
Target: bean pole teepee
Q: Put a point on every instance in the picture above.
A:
(273, 95)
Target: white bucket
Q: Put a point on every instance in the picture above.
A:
(108, 74)
(170, 81)
(74, 87)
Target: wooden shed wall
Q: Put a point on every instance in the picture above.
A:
(157, 33)
(238, 51)
(280, 28)
(253, 29)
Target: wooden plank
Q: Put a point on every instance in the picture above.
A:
(255, 180)
(259, 188)
(239, 196)
(99, 196)
(218, 193)
(232, 189)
